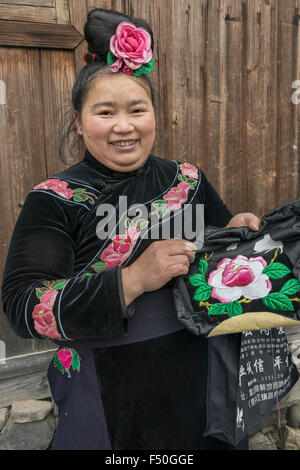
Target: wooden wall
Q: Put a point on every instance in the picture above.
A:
(223, 75)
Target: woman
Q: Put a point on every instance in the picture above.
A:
(92, 277)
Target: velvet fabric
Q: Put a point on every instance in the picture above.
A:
(136, 363)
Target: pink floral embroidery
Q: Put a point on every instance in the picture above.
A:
(132, 45)
(120, 248)
(189, 170)
(239, 277)
(43, 317)
(44, 321)
(59, 187)
(177, 196)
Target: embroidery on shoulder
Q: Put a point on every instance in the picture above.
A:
(63, 190)
(43, 317)
(179, 194)
(66, 359)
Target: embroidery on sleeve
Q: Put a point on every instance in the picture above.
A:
(43, 317)
(62, 189)
(65, 359)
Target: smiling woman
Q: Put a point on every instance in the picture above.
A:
(128, 374)
(117, 122)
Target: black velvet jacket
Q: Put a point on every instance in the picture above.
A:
(56, 284)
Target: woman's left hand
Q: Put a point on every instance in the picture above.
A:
(245, 219)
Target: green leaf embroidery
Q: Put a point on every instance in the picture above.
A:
(276, 270)
(290, 287)
(59, 284)
(183, 178)
(217, 309)
(234, 309)
(86, 274)
(203, 292)
(203, 265)
(40, 291)
(78, 190)
(159, 202)
(141, 224)
(197, 280)
(161, 211)
(278, 301)
(98, 267)
(76, 361)
(58, 364)
(81, 197)
(191, 182)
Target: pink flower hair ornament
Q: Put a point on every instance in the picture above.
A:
(130, 50)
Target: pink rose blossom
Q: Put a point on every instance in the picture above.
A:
(189, 170)
(131, 44)
(120, 248)
(59, 187)
(116, 66)
(49, 297)
(177, 196)
(239, 277)
(127, 70)
(44, 321)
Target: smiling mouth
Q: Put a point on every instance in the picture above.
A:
(124, 143)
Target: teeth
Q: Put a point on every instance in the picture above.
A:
(125, 143)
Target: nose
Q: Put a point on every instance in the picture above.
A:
(123, 124)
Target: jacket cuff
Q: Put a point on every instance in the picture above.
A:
(127, 312)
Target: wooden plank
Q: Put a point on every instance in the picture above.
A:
(53, 36)
(22, 155)
(62, 12)
(261, 106)
(27, 13)
(214, 101)
(160, 15)
(287, 154)
(78, 17)
(58, 75)
(33, 3)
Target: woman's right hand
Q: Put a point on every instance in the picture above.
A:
(159, 263)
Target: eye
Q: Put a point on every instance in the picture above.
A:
(138, 110)
(104, 113)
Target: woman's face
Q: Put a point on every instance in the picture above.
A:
(118, 122)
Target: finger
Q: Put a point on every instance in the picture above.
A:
(253, 222)
(179, 259)
(178, 270)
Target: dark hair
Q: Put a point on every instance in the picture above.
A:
(101, 25)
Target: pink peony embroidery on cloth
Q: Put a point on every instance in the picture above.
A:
(177, 196)
(121, 248)
(43, 317)
(189, 170)
(61, 188)
(239, 277)
(132, 45)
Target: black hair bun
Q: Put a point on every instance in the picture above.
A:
(101, 25)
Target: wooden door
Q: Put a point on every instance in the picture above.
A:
(40, 49)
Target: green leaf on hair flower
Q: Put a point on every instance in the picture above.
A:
(276, 270)
(203, 292)
(278, 301)
(234, 309)
(217, 309)
(111, 59)
(145, 68)
(290, 287)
